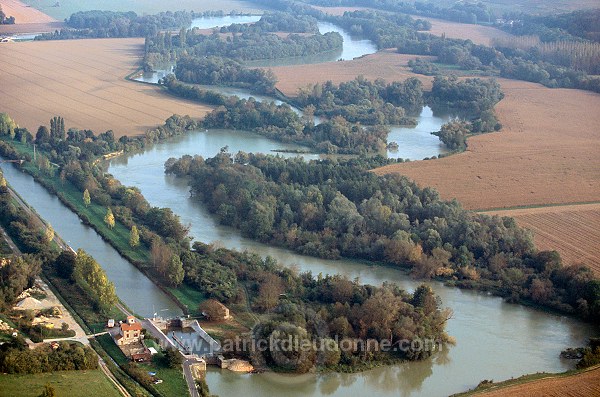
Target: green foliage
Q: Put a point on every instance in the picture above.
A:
(17, 359)
(7, 125)
(92, 278)
(332, 208)
(109, 219)
(86, 197)
(363, 101)
(16, 276)
(421, 66)
(454, 134)
(215, 70)
(134, 236)
(173, 358)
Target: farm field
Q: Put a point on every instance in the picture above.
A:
(68, 7)
(584, 384)
(84, 81)
(572, 230)
(65, 383)
(546, 153)
(23, 13)
(387, 64)
(478, 34)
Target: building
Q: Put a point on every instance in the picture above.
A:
(214, 310)
(130, 332)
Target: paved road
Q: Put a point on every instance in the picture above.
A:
(189, 377)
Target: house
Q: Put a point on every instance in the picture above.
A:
(130, 332)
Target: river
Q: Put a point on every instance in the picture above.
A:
(135, 289)
(495, 340)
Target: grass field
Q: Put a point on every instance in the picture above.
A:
(68, 7)
(572, 230)
(65, 383)
(83, 81)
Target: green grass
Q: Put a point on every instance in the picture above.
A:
(95, 213)
(173, 385)
(189, 297)
(108, 344)
(65, 383)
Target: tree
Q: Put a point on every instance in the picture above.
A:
(86, 197)
(173, 357)
(109, 219)
(161, 255)
(7, 125)
(49, 234)
(42, 135)
(64, 264)
(175, 272)
(134, 236)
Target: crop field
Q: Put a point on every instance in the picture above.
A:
(68, 7)
(478, 34)
(387, 64)
(546, 153)
(84, 81)
(584, 384)
(23, 13)
(572, 230)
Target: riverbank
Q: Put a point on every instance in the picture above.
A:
(581, 383)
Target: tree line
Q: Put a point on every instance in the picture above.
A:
(215, 70)
(324, 309)
(335, 209)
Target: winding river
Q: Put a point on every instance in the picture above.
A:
(495, 340)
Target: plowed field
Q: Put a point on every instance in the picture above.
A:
(83, 81)
(586, 384)
(572, 230)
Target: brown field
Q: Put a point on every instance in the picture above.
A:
(572, 230)
(586, 384)
(387, 64)
(83, 81)
(20, 28)
(546, 153)
(23, 13)
(478, 34)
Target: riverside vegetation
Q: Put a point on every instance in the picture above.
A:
(242, 279)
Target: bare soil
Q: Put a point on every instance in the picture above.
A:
(586, 384)
(386, 64)
(546, 153)
(21, 28)
(572, 230)
(478, 34)
(84, 81)
(24, 13)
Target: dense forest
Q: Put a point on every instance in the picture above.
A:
(363, 101)
(335, 209)
(214, 70)
(276, 22)
(321, 310)
(101, 24)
